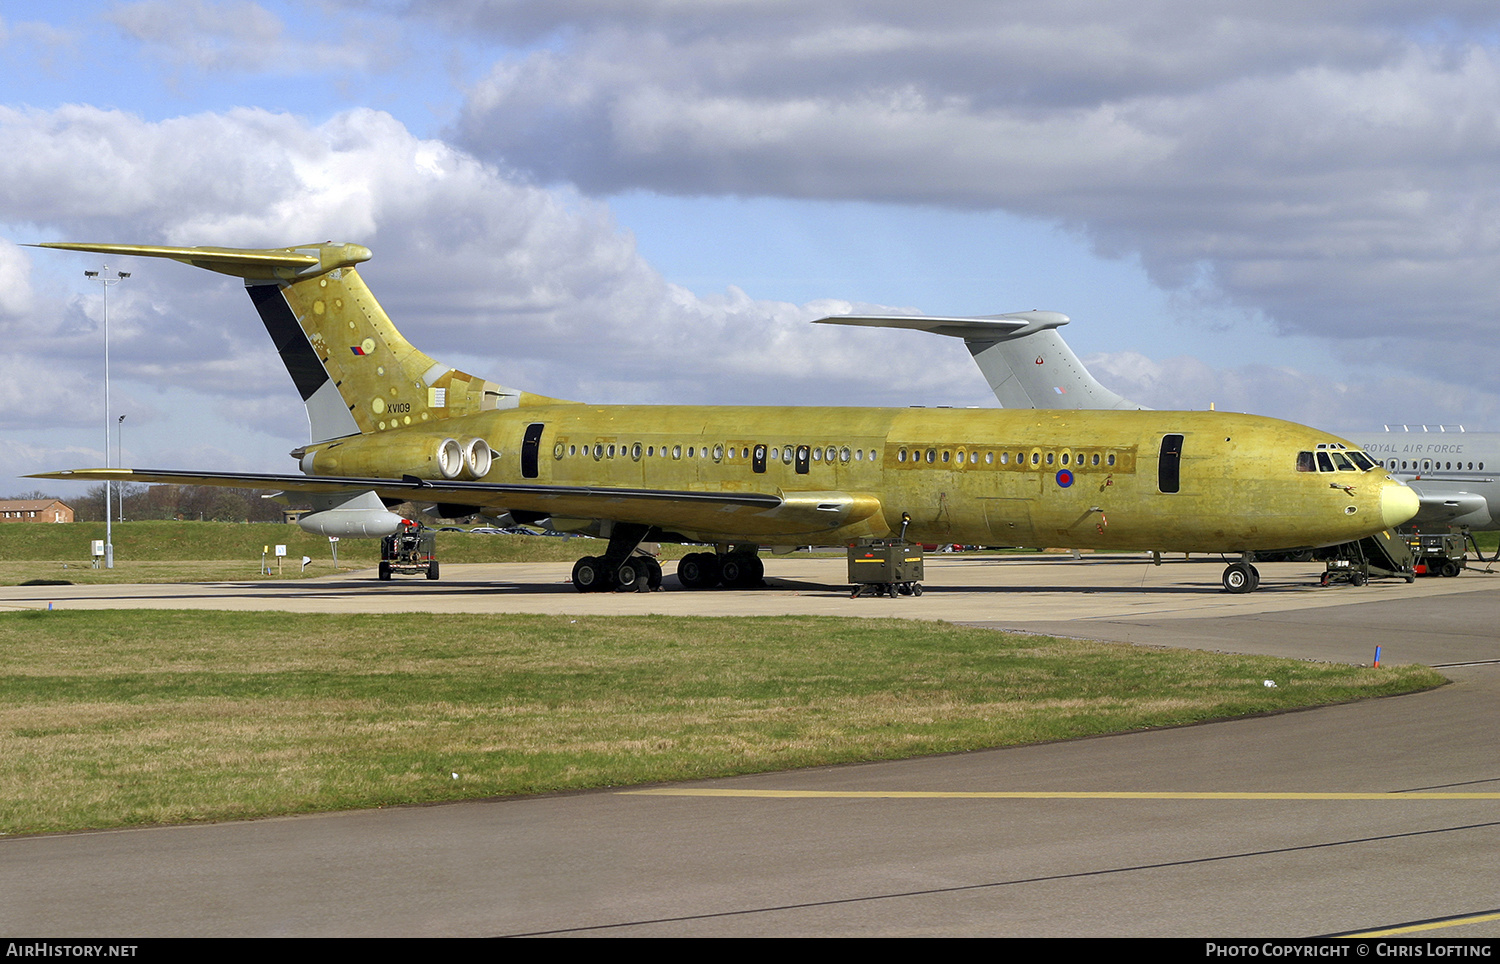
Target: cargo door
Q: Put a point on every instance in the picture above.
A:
(1009, 522)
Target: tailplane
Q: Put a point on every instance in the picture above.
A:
(1022, 356)
(355, 371)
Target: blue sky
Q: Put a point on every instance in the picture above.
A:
(1270, 206)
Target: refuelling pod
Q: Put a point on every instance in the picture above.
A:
(389, 456)
(350, 515)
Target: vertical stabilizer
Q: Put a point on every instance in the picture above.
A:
(355, 372)
(1022, 356)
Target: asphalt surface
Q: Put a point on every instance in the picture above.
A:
(1321, 822)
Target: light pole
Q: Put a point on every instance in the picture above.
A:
(102, 276)
(120, 458)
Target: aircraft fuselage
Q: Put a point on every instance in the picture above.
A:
(389, 423)
(1083, 479)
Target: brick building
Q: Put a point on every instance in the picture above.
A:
(35, 510)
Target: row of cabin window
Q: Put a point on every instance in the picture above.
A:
(933, 456)
(1430, 466)
(787, 453)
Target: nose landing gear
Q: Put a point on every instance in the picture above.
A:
(1241, 577)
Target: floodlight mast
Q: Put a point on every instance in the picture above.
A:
(103, 277)
(120, 458)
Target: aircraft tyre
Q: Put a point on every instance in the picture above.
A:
(432, 570)
(385, 570)
(742, 571)
(1241, 577)
(589, 575)
(732, 572)
(698, 570)
(633, 576)
(653, 572)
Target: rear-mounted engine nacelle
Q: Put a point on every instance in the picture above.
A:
(478, 457)
(394, 454)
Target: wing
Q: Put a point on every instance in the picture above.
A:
(751, 514)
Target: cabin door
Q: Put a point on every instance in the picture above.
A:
(1169, 464)
(530, 444)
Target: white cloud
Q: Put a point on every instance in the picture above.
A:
(525, 285)
(1329, 167)
(35, 38)
(238, 35)
(1335, 167)
(15, 283)
(1308, 397)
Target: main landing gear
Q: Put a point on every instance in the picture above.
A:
(1241, 577)
(740, 568)
(626, 572)
(620, 569)
(633, 574)
(623, 569)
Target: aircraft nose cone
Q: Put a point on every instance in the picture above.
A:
(1397, 504)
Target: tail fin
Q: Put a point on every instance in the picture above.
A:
(1025, 360)
(355, 372)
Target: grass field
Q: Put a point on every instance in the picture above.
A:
(167, 551)
(124, 718)
(149, 552)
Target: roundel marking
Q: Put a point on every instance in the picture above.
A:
(1064, 478)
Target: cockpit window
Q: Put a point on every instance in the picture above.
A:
(1332, 457)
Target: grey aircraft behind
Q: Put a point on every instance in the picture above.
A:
(1455, 473)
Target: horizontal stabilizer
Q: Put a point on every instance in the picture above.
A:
(982, 328)
(252, 264)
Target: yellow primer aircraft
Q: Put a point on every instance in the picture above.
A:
(390, 424)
